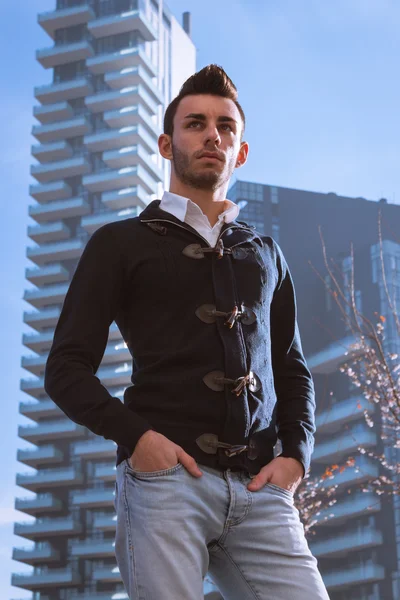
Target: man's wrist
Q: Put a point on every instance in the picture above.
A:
(297, 464)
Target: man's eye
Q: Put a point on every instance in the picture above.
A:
(227, 125)
(194, 123)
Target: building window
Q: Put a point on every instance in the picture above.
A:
(70, 35)
(69, 71)
(112, 7)
(274, 195)
(113, 43)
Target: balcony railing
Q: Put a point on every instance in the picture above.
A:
(62, 4)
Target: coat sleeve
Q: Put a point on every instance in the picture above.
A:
(295, 410)
(80, 338)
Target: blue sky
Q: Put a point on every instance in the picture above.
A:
(319, 84)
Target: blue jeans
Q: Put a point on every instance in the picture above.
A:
(174, 528)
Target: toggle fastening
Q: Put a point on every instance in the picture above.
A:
(208, 313)
(197, 251)
(216, 381)
(208, 442)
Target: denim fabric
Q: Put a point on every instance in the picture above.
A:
(173, 529)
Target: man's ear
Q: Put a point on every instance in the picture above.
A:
(165, 146)
(242, 155)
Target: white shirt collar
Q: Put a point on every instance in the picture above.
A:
(182, 207)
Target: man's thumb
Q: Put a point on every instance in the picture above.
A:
(189, 463)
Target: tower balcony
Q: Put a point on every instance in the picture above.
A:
(51, 294)
(328, 360)
(337, 448)
(51, 431)
(53, 151)
(333, 418)
(133, 76)
(50, 232)
(106, 522)
(356, 505)
(341, 545)
(64, 90)
(48, 113)
(106, 574)
(49, 527)
(35, 457)
(134, 196)
(40, 319)
(112, 139)
(41, 503)
(364, 470)
(61, 130)
(93, 549)
(105, 472)
(47, 578)
(60, 209)
(72, 167)
(38, 342)
(64, 250)
(41, 276)
(71, 14)
(133, 20)
(105, 596)
(121, 60)
(41, 552)
(111, 179)
(55, 190)
(132, 115)
(131, 156)
(39, 410)
(358, 575)
(93, 498)
(113, 99)
(95, 449)
(50, 478)
(60, 54)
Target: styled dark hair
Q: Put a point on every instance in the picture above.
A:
(213, 80)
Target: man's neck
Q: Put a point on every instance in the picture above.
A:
(211, 203)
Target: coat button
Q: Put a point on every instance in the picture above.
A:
(248, 317)
(254, 382)
(193, 251)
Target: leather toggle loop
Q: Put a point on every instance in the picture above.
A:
(216, 381)
(197, 251)
(208, 314)
(208, 442)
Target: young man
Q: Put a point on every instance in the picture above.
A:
(207, 309)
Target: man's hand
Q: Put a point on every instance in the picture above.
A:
(282, 471)
(155, 452)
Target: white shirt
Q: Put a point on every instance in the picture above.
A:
(188, 212)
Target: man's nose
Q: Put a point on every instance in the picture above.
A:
(212, 134)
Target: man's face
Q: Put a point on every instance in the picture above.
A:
(207, 124)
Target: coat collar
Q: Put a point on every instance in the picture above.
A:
(236, 232)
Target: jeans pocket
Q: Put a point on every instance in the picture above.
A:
(152, 474)
(280, 489)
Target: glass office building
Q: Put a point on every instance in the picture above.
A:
(358, 547)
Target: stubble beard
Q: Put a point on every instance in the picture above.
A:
(209, 180)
